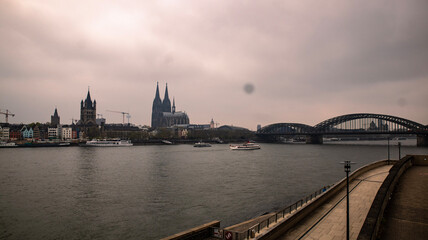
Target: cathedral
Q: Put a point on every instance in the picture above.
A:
(163, 115)
(88, 111)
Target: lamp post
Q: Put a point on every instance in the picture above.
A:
(399, 150)
(347, 165)
(388, 151)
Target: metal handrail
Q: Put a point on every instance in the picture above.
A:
(287, 210)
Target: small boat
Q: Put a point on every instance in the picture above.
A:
(202, 144)
(166, 142)
(108, 143)
(245, 146)
(217, 140)
(7, 145)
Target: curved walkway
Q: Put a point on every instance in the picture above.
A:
(329, 220)
(407, 213)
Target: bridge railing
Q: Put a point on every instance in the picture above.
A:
(281, 214)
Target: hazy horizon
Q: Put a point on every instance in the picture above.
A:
(241, 63)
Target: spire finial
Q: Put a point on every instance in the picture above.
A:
(157, 95)
(173, 104)
(166, 93)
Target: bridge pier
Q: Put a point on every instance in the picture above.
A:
(314, 139)
(422, 140)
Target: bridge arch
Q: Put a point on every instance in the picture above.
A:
(286, 128)
(398, 124)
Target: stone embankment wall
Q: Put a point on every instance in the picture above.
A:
(197, 233)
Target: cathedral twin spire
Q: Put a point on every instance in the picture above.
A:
(158, 104)
(166, 104)
(163, 115)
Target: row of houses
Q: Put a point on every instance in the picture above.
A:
(12, 132)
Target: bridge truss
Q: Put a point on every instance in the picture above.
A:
(350, 124)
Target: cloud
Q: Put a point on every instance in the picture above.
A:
(307, 60)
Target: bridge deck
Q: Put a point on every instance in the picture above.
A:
(329, 220)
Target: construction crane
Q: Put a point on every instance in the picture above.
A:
(7, 113)
(128, 117)
(123, 115)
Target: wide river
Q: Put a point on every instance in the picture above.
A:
(149, 192)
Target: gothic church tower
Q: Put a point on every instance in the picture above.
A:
(88, 111)
(55, 118)
(166, 104)
(156, 109)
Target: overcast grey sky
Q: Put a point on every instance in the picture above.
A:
(307, 60)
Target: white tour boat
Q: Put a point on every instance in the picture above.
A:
(108, 143)
(245, 146)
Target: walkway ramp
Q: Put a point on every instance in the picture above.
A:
(407, 212)
(325, 216)
(329, 220)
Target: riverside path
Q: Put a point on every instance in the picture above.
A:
(372, 188)
(328, 219)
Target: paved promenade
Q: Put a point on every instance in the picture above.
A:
(407, 213)
(329, 220)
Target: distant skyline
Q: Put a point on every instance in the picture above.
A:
(241, 63)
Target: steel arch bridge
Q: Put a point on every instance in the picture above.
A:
(287, 128)
(369, 121)
(350, 124)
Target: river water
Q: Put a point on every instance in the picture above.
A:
(149, 192)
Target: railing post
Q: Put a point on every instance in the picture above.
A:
(268, 222)
(258, 228)
(276, 217)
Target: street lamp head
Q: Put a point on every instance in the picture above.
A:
(347, 165)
